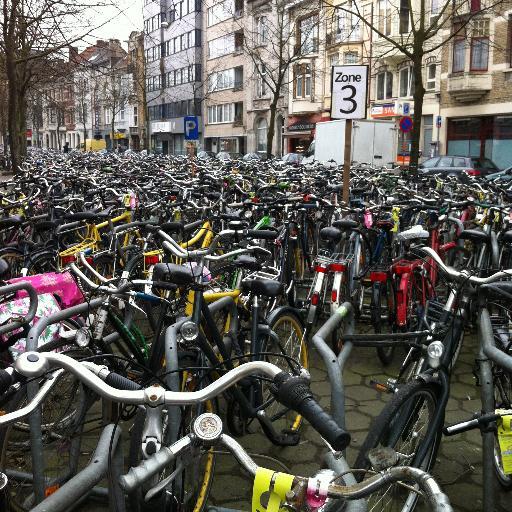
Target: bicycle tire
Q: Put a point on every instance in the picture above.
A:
(503, 400)
(277, 321)
(385, 354)
(398, 420)
(61, 429)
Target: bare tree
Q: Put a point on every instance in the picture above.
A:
(416, 29)
(116, 93)
(31, 32)
(278, 36)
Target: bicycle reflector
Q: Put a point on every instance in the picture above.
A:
(151, 259)
(315, 299)
(66, 260)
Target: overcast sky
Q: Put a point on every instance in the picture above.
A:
(117, 22)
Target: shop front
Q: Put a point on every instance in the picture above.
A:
(230, 144)
(168, 137)
(300, 132)
(482, 137)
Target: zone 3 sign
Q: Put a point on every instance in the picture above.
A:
(348, 92)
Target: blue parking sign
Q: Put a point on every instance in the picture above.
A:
(191, 127)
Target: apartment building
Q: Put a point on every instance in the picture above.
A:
(173, 57)
(307, 74)
(224, 106)
(476, 87)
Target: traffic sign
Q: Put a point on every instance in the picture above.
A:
(406, 109)
(438, 121)
(191, 127)
(348, 92)
(406, 124)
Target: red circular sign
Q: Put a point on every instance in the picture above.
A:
(406, 124)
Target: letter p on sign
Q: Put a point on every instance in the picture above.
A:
(348, 92)
(191, 127)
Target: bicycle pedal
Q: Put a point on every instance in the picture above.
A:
(383, 387)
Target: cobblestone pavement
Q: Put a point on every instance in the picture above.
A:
(458, 467)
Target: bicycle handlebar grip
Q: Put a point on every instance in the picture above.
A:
(294, 392)
(262, 234)
(119, 382)
(464, 426)
(136, 476)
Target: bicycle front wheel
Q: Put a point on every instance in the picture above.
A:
(285, 350)
(402, 425)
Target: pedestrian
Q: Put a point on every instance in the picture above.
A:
(66, 147)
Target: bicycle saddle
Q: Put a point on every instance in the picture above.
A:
(177, 274)
(345, 224)
(9, 222)
(475, 235)
(248, 263)
(4, 268)
(264, 287)
(507, 236)
(330, 233)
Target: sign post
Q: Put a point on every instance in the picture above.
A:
(348, 101)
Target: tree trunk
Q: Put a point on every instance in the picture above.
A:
(12, 115)
(272, 124)
(112, 130)
(419, 93)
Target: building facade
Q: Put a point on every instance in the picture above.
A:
(173, 57)
(225, 80)
(476, 88)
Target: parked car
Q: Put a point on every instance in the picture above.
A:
(504, 176)
(459, 166)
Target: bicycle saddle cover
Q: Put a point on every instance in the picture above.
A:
(415, 233)
(330, 233)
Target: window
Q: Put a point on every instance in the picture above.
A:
(121, 111)
(302, 82)
(404, 16)
(261, 85)
(406, 82)
(459, 48)
(261, 135)
(431, 77)
(221, 80)
(475, 5)
(480, 45)
(221, 46)
(261, 30)
(434, 8)
(384, 85)
(347, 27)
(220, 12)
(350, 58)
(308, 35)
(135, 117)
(221, 113)
(384, 25)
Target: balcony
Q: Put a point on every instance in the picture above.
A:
(469, 87)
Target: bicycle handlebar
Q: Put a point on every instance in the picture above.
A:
(463, 275)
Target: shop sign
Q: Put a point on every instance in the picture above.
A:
(161, 126)
(383, 110)
(301, 127)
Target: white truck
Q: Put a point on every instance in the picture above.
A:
(373, 142)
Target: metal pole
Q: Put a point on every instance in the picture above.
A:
(347, 160)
